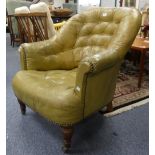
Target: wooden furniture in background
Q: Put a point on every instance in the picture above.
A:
(13, 37)
(145, 22)
(62, 12)
(25, 27)
(120, 3)
(144, 31)
(32, 26)
(39, 21)
(141, 45)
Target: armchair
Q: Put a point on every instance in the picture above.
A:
(73, 75)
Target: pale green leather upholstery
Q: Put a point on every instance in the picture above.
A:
(73, 75)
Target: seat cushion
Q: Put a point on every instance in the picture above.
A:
(50, 93)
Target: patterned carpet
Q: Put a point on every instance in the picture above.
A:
(127, 91)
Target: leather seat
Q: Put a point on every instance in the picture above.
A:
(55, 90)
(73, 75)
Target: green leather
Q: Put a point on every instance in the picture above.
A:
(73, 74)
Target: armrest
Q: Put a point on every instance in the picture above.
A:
(34, 56)
(102, 61)
(93, 65)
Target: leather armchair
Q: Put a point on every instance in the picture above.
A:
(73, 75)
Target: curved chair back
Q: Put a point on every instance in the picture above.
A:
(98, 30)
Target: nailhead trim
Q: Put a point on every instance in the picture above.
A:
(93, 65)
(21, 50)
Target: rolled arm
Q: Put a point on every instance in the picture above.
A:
(94, 65)
(33, 56)
(102, 61)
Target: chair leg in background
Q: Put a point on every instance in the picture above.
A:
(67, 134)
(22, 107)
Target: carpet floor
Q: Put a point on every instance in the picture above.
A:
(124, 134)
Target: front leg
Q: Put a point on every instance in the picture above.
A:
(22, 106)
(67, 133)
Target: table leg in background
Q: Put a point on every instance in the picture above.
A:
(142, 59)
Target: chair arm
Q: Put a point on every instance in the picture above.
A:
(34, 56)
(102, 61)
(93, 65)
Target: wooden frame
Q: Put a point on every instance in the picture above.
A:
(24, 27)
(39, 21)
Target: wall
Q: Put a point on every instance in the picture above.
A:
(111, 3)
(108, 3)
(58, 3)
(87, 4)
(143, 3)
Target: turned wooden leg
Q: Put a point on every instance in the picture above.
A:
(109, 107)
(22, 107)
(67, 133)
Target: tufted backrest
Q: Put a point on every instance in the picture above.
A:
(97, 31)
(92, 34)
